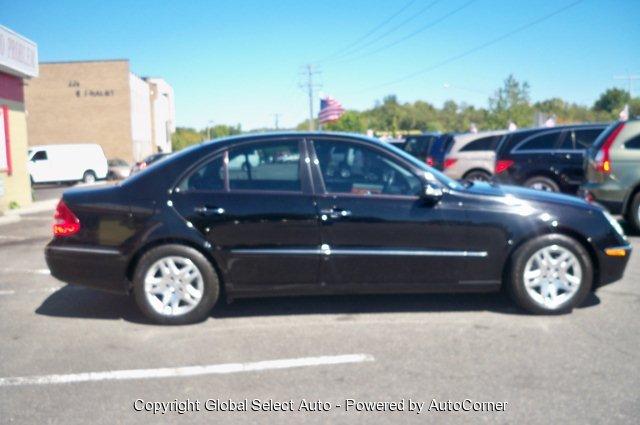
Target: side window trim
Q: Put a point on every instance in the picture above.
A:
(320, 188)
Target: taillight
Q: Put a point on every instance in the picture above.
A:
(65, 221)
(429, 160)
(448, 162)
(602, 158)
(503, 165)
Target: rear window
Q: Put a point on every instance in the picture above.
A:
(583, 139)
(483, 144)
(441, 146)
(418, 145)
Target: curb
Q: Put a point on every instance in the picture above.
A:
(35, 207)
(9, 219)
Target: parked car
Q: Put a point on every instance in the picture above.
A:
(549, 159)
(439, 150)
(141, 165)
(419, 145)
(472, 155)
(67, 163)
(612, 167)
(351, 215)
(119, 169)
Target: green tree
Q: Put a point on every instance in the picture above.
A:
(510, 103)
(612, 100)
(184, 137)
(350, 121)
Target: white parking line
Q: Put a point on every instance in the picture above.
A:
(12, 238)
(25, 271)
(118, 375)
(29, 291)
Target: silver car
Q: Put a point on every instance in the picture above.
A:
(472, 155)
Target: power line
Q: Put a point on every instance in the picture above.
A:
(389, 32)
(412, 34)
(477, 48)
(373, 31)
(309, 86)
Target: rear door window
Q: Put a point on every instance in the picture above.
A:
(273, 166)
(39, 156)
(633, 143)
(544, 141)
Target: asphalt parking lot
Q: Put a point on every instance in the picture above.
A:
(578, 368)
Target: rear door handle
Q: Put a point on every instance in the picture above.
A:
(334, 213)
(209, 210)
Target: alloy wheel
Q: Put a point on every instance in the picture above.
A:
(173, 286)
(552, 276)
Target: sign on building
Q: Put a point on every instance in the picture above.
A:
(18, 55)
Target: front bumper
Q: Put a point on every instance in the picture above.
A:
(612, 267)
(94, 267)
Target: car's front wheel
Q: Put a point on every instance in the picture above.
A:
(550, 274)
(175, 285)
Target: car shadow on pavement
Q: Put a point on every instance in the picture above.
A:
(76, 302)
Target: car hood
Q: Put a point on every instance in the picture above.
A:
(525, 194)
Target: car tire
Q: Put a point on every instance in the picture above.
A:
(477, 175)
(151, 302)
(538, 298)
(89, 177)
(542, 183)
(632, 215)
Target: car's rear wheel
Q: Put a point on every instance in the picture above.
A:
(550, 274)
(175, 285)
(542, 183)
(477, 175)
(633, 216)
(89, 177)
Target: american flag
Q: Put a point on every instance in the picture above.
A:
(330, 110)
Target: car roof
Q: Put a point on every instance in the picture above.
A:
(469, 137)
(289, 134)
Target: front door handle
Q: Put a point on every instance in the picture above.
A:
(334, 213)
(208, 210)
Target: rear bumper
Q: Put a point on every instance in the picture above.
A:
(612, 267)
(94, 267)
(608, 195)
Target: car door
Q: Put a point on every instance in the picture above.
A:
(254, 205)
(376, 231)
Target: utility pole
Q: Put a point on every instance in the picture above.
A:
(308, 72)
(276, 118)
(630, 79)
(209, 129)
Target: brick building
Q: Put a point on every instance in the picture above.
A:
(100, 102)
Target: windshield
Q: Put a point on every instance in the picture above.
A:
(430, 173)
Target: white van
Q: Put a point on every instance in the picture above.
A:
(67, 163)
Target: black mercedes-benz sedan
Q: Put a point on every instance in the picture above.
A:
(325, 213)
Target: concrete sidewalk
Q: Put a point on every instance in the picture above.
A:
(13, 216)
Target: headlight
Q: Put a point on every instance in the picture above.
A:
(614, 223)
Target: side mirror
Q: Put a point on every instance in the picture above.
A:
(431, 193)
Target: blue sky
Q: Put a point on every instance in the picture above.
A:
(239, 61)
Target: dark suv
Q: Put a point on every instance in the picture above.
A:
(549, 159)
(439, 150)
(419, 145)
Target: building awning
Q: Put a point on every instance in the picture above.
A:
(18, 55)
